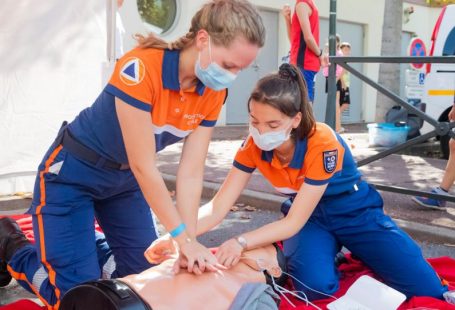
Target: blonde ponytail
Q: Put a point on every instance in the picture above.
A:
(224, 20)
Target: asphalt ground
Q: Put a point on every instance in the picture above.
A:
(417, 168)
(403, 170)
(245, 218)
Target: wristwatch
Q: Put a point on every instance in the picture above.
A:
(242, 241)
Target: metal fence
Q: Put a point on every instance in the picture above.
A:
(440, 128)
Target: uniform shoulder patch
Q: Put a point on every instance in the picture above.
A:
(132, 71)
(330, 159)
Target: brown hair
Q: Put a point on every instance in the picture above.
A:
(224, 20)
(287, 92)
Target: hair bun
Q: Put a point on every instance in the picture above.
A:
(287, 72)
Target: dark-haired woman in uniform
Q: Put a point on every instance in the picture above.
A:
(329, 204)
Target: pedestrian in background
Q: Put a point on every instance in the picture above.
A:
(303, 33)
(345, 98)
(338, 73)
(448, 178)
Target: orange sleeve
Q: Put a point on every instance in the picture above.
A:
(217, 101)
(131, 81)
(324, 161)
(244, 158)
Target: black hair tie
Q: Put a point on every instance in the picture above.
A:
(287, 72)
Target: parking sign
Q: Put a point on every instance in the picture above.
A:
(417, 48)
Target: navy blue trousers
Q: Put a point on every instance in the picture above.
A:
(69, 195)
(310, 79)
(356, 221)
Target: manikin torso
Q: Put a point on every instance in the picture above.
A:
(163, 290)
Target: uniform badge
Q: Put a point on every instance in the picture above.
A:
(330, 160)
(132, 71)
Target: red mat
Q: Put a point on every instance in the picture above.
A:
(23, 304)
(351, 271)
(444, 266)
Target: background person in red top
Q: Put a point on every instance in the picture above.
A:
(303, 33)
(102, 164)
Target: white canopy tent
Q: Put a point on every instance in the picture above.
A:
(56, 58)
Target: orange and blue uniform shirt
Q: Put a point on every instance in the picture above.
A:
(148, 80)
(67, 199)
(319, 159)
(350, 214)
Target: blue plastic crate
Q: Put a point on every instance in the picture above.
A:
(387, 134)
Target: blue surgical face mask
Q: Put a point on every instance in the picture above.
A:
(269, 140)
(214, 76)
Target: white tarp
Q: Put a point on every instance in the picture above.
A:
(53, 53)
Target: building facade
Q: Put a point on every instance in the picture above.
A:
(58, 55)
(359, 22)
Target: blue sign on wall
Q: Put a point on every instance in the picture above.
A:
(421, 78)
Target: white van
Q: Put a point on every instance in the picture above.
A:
(439, 87)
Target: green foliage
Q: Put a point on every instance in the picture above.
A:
(159, 13)
(439, 2)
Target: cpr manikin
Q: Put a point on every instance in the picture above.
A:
(158, 288)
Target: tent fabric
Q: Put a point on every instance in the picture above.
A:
(54, 59)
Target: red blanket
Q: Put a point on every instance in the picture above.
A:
(351, 271)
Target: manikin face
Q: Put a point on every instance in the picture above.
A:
(261, 264)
